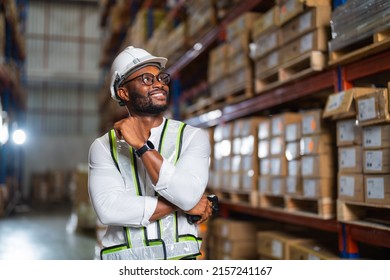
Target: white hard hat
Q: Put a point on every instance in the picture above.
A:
(128, 61)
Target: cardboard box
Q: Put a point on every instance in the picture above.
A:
(265, 166)
(267, 62)
(278, 165)
(239, 229)
(377, 189)
(350, 159)
(372, 107)
(264, 148)
(242, 24)
(316, 40)
(307, 21)
(350, 187)
(289, 9)
(279, 122)
(266, 21)
(317, 144)
(319, 188)
(294, 167)
(348, 132)
(313, 123)
(294, 185)
(275, 245)
(376, 136)
(341, 105)
(264, 130)
(265, 43)
(277, 146)
(264, 184)
(313, 250)
(376, 161)
(318, 166)
(293, 150)
(277, 185)
(293, 132)
(236, 249)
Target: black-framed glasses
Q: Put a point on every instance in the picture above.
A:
(149, 79)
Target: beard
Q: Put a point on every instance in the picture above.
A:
(143, 105)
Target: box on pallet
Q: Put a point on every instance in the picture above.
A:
(293, 132)
(377, 189)
(278, 165)
(242, 24)
(376, 136)
(264, 129)
(348, 133)
(316, 40)
(292, 150)
(341, 104)
(372, 107)
(376, 161)
(235, 249)
(313, 123)
(279, 121)
(318, 166)
(313, 250)
(268, 20)
(350, 187)
(318, 188)
(294, 186)
(317, 144)
(350, 159)
(309, 20)
(275, 245)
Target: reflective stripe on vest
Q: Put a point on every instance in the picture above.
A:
(169, 244)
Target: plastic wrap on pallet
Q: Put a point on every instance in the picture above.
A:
(357, 20)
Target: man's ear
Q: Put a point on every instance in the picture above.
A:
(123, 93)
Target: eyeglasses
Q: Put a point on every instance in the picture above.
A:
(149, 79)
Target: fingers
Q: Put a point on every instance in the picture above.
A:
(208, 211)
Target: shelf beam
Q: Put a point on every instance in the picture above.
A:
(371, 236)
(326, 225)
(293, 91)
(369, 66)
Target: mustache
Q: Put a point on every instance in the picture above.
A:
(157, 90)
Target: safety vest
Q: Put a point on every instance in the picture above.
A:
(137, 245)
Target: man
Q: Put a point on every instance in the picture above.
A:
(149, 172)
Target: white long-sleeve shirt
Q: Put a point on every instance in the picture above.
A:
(182, 184)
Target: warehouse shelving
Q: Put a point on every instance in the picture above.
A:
(315, 86)
(334, 78)
(13, 95)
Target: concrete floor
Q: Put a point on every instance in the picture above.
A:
(41, 234)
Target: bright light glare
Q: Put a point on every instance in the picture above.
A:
(19, 137)
(4, 133)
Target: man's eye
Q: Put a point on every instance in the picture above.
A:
(147, 79)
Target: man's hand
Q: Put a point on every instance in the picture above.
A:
(133, 131)
(202, 209)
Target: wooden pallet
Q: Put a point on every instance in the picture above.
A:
(294, 69)
(323, 208)
(376, 43)
(248, 198)
(364, 214)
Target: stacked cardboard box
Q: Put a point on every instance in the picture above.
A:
(235, 239)
(221, 157)
(363, 128)
(318, 157)
(264, 135)
(289, 40)
(276, 155)
(293, 132)
(276, 244)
